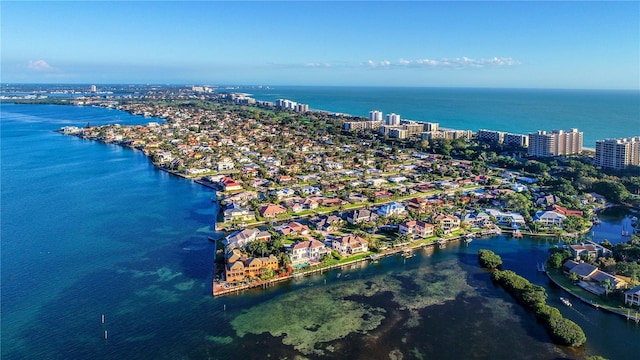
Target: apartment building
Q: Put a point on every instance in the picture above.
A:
(555, 143)
(618, 153)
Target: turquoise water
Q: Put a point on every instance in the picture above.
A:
(599, 114)
(91, 229)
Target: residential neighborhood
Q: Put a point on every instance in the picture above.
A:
(301, 190)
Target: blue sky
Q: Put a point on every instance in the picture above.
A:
(593, 45)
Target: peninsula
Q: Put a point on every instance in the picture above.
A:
(304, 190)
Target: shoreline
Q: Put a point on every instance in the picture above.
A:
(220, 290)
(590, 302)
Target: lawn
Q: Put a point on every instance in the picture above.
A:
(612, 302)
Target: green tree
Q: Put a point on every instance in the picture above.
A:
(556, 259)
(488, 259)
(536, 167)
(614, 191)
(257, 248)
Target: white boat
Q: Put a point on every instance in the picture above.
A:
(566, 302)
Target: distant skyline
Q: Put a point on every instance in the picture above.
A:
(581, 45)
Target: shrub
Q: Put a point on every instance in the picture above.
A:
(563, 331)
(567, 332)
(488, 259)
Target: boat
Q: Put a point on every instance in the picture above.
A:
(338, 276)
(566, 302)
(442, 243)
(541, 267)
(407, 254)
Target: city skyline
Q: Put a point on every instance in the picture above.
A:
(582, 45)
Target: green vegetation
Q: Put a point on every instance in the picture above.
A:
(613, 303)
(563, 331)
(488, 259)
(557, 258)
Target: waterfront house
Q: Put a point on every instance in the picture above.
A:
(228, 184)
(587, 249)
(271, 211)
(307, 252)
(234, 272)
(238, 214)
(632, 297)
(447, 222)
(549, 218)
(239, 266)
(416, 229)
(479, 219)
(592, 279)
(507, 218)
(349, 244)
(391, 209)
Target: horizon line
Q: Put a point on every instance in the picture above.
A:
(316, 86)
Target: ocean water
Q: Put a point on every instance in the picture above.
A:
(599, 114)
(91, 229)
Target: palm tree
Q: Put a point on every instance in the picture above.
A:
(607, 286)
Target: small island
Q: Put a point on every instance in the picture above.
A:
(533, 297)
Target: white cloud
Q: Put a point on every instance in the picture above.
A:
(39, 65)
(318, 65)
(459, 62)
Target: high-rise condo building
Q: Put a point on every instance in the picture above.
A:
(393, 119)
(375, 115)
(618, 153)
(516, 140)
(490, 136)
(555, 143)
(429, 126)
